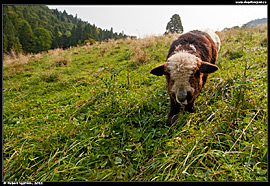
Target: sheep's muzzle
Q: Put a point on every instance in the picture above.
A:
(181, 96)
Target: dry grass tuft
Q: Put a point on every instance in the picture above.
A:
(13, 59)
(139, 48)
(14, 62)
(59, 57)
(146, 42)
(141, 56)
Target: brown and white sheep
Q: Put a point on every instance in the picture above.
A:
(190, 59)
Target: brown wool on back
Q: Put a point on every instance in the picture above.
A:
(205, 47)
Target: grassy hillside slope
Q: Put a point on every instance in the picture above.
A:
(95, 113)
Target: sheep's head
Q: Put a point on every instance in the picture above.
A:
(184, 72)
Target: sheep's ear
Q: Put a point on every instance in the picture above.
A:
(208, 67)
(158, 71)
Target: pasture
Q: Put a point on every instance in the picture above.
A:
(95, 113)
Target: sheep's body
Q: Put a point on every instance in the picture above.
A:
(190, 59)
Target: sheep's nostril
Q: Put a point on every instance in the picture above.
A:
(181, 95)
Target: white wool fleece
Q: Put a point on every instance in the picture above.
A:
(214, 37)
(181, 65)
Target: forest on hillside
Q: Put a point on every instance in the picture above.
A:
(36, 28)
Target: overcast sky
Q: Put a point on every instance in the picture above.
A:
(145, 20)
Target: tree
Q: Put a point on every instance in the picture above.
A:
(86, 34)
(11, 41)
(94, 33)
(66, 39)
(174, 25)
(79, 31)
(5, 43)
(26, 36)
(42, 39)
(57, 41)
(73, 40)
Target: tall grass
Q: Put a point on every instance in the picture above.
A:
(95, 113)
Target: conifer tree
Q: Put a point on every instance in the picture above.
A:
(12, 42)
(174, 25)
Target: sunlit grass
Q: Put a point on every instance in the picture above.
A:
(95, 113)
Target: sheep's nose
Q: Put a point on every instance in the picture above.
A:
(181, 95)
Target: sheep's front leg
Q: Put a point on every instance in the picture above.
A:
(190, 107)
(173, 113)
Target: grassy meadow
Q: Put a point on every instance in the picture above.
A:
(95, 113)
